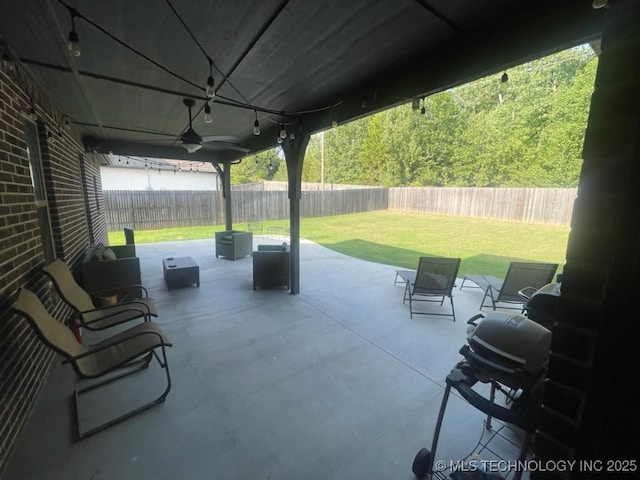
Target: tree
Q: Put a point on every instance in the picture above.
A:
(562, 139)
(311, 168)
(255, 168)
(526, 132)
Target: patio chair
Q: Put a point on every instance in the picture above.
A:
(87, 314)
(432, 282)
(521, 280)
(113, 358)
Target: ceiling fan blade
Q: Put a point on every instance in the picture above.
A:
(226, 146)
(156, 140)
(219, 138)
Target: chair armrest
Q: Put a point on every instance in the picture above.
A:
(135, 305)
(243, 240)
(145, 314)
(124, 289)
(108, 344)
(124, 251)
(527, 292)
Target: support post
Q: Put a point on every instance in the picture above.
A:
(224, 172)
(294, 151)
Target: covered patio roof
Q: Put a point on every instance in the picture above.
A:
(303, 65)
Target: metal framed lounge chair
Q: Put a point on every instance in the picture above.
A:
(113, 358)
(90, 316)
(521, 277)
(432, 282)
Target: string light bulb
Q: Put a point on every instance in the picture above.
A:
(208, 118)
(210, 91)
(74, 39)
(256, 125)
(283, 132)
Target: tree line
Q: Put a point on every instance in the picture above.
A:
(522, 129)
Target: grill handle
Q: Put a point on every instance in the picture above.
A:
(473, 357)
(486, 406)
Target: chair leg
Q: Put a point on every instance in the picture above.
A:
(140, 365)
(453, 311)
(488, 293)
(407, 293)
(410, 303)
(484, 297)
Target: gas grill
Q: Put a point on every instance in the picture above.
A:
(510, 352)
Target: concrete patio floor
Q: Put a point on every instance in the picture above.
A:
(334, 383)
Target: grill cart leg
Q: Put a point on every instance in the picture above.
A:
(492, 398)
(423, 461)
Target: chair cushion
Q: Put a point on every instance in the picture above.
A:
(274, 248)
(108, 254)
(98, 250)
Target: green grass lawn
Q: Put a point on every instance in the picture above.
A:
(399, 238)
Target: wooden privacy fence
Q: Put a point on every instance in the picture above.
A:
(151, 209)
(165, 209)
(530, 205)
(148, 209)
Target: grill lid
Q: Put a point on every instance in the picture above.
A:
(543, 304)
(511, 339)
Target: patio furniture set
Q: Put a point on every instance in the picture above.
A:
(113, 274)
(435, 277)
(132, 348)
(271, 263)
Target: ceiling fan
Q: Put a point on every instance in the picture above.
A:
(192, 141)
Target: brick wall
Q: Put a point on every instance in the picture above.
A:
(590, 405)
(24, 362)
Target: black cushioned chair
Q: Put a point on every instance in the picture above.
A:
(271, 266)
